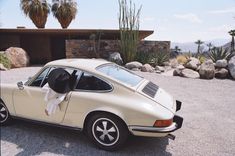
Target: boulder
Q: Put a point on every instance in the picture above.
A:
(115, 57)
(189, 73)
(180, 67)
(177, 72)
(231, 66)
(135, 69)
(193, 63)
(174, 63)
(221, 73)
(147, 68)
(207, 70)
(162, 69)
(166, 63)
(17, 56)
(158, 71)
(133, 64)
(2, 67)
(221, 63)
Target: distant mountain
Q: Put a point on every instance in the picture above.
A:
(191, 46)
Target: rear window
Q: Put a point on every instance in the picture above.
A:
(120, 74)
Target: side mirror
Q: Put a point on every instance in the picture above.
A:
(20, 85)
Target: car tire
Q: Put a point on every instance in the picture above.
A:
(5, 117)
(107, 131)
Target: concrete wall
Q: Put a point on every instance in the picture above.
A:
(85, 48)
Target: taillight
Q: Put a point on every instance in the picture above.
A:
(163, 123)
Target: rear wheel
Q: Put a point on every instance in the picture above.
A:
(107, 131)
(4, 114)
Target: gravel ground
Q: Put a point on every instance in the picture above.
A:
(208, 129)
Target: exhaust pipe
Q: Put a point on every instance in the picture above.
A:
(171, 136)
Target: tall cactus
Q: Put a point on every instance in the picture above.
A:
(129, 30)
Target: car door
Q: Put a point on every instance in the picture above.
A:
(29, 101)
(90, 93)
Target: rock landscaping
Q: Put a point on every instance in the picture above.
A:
(192, 68)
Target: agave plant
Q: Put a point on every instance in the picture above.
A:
(159, 57)
(220, 53)
(37, 10)
(65, 11)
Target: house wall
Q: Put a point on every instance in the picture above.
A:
(85, 48)
(7, 41)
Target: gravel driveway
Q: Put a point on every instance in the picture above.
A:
(209, 124)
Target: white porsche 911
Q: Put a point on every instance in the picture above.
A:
(108, 102)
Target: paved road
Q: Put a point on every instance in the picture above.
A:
(208, 129)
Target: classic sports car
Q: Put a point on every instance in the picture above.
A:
(109, 102)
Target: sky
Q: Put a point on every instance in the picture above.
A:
(171, 20)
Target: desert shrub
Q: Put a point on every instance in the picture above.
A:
(220, 53)
(201, 58)
(159, 57)
(143, 57)
(5, 61)
(182, 59)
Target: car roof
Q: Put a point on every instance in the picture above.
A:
(83, 64)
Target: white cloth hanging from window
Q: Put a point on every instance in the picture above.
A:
(52, 98)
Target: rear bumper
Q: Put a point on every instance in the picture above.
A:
(177, 124)
(159, 131)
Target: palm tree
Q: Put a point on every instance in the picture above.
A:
(199, 43)
(209, 45)
(177, 49)
(232, 33)
(65, 11)
(37, 10)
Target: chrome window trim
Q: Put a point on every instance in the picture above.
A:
(51, 66)
(78, 78)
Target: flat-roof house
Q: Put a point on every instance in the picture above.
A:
(43, 45)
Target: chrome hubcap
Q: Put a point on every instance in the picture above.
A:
(105, 132)
(3, 113)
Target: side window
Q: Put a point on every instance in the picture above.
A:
(37, 82)
(90, 82)
(42, 79)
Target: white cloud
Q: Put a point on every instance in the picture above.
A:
(190, 17)
(223, 11)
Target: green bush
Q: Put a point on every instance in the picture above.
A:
(143, 57)
(159, 57)
(220, 54)
(5, 61)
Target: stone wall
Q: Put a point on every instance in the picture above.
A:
(85, 48)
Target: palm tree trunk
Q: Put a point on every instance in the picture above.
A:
(232, 44)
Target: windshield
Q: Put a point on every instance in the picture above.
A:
(120, 74)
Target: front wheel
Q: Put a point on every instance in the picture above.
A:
(107, 131)
(4, 114)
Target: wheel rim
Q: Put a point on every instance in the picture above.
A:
(3, 113)
(105, 131)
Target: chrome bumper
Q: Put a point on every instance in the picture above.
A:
(177, 124)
